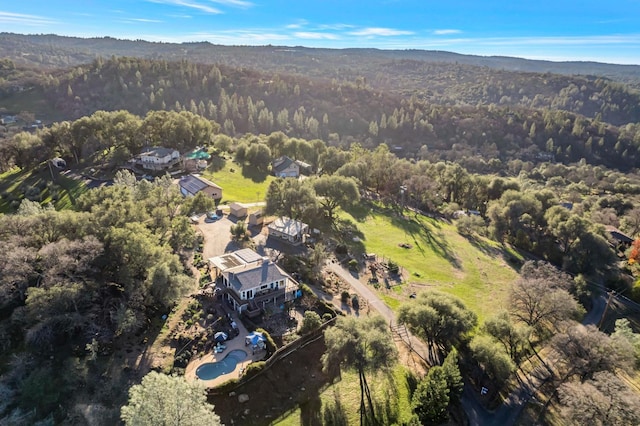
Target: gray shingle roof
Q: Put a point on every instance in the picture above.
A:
(248, 277)
(281, 163)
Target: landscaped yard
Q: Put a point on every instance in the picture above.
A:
(245, 185)
(433, 255)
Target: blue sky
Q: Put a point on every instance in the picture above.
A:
(543, 29)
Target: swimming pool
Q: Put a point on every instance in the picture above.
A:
(211, 370)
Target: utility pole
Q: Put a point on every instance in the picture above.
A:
(606, 308)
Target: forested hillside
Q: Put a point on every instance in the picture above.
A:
(243, 100)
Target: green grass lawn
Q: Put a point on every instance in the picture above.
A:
(341, 401)
(475, 269)
(245, 185)
(15, 183)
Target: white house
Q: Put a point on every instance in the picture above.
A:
(285, 167)
(159, 158)
(290, 230)
(251, 281)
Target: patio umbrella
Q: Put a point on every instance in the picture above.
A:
(220, 336)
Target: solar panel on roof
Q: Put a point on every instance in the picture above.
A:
(192, 184)
(248, 255)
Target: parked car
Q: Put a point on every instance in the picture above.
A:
(212, 215)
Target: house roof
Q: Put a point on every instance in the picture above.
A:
(618, 235)
(236, 206)
(246, 277)
(197, 154)
(157, 151)
(303, 164)
(282, 163)
(193, 184)
(237, 258)
(288, 226)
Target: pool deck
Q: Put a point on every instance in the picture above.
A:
(235, 343)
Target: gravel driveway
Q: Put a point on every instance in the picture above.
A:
(217, 237)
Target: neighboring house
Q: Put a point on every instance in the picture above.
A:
(290, 230)
(618, 239)
(305, 168)
(256, 219)
(285, 167)
(159, 158)
(190, 185)
(8, 119)
(238, 210)
(251, 281)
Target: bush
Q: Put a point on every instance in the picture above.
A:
(326, 317)
(355, 302)
(344, 297)
(310, 322)
(353, 265)
(254, 368)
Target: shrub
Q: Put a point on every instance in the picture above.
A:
(353, 264)
(310, 322)
(326, 317)
(344, 296)
(254, 368)
(355, 302)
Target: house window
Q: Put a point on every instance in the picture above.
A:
(250, 294)
(264, 287)
(244, 295)
(271, 285)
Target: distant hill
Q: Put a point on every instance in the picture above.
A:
(60, 51)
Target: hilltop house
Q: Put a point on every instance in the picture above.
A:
(190, 185)
(285, 167)
(250, 281)
(158, 158)
(290, 230)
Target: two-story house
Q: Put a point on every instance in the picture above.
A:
(250, 281)
(159, 158)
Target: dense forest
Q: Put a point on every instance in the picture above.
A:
(534, 161)
(242, 100)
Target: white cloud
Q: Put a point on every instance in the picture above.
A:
(383, 32)
(145, 20)
(236, 3)
(315, 36)
(298, 24)
(189, 4)
(446, 32)
(20, 18)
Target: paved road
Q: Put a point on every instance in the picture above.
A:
(509, 412)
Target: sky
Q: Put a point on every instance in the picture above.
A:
(587, 30)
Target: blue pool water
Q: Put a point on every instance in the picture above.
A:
(211, 370)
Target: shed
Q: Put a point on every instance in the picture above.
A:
(238, 210)
(256, 219)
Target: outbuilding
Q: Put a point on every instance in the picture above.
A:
(238, 210)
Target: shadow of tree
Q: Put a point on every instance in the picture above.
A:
(421, 233)
(481, 245)
(359, 211)
(254, 174)
(335, 414)
(311, 411)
